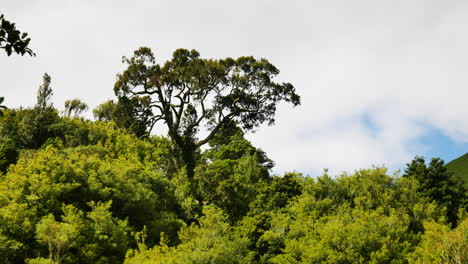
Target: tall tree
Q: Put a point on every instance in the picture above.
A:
(39, 119)
(12, 40)
(188, 93)
(44, 93)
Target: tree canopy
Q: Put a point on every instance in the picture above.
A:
(438, 183)
(189, 93)
(104, 191)
(94, 193)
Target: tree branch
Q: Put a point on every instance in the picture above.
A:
(215, 130)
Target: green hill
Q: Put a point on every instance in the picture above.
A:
(459, 167)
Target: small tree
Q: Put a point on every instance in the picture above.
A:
(188, 93)
(44, 93)
(57, 235)
(75, 107)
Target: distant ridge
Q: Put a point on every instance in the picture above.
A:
(459, 167)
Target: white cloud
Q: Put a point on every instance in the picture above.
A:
(402, 64)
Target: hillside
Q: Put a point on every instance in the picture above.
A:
(459, 166)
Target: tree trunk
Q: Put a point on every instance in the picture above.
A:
(188, 156)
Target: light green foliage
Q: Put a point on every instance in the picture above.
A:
(39, 261)
(367, 217)
(442, 245)
(106, 191)
(107, 236)
(183, 189)
(212, 241)
(118, 168)
(58, 236)
(94, 237)
(90, 192)
(359, 218)
(350, 236)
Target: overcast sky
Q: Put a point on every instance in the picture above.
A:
(380, 81)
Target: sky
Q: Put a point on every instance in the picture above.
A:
(380, 81)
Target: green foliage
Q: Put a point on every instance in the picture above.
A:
(75, 107)
(231, 173)
(117, 167)
(104, 112)
(8, 153)
(350, 236)
(186, 195)
(57, 236)
(132, 114)
(230, 184)
(362, 218)
(92, 237)
(442, 245)
(459, 167)
(17, 132)
(106, 191)
(189, 92)
(12, 40)
(80, 191)
(31, 128)
(92, 188)
(231, 144)
(212, 241)
(38, 119)
(44, 94)
(437, 183)
(39, 261)
(36, 127)
(273, 196)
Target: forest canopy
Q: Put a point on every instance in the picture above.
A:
(74, 190)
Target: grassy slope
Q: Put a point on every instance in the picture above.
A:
(459, 166)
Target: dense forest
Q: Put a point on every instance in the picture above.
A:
(108, 190)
